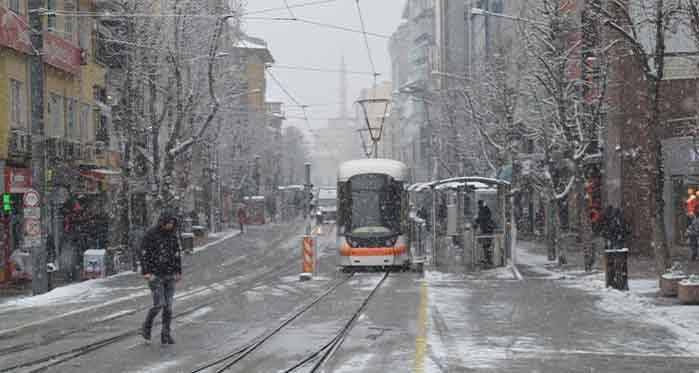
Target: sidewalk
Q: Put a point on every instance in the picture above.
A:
(18, 290)
(555, 320)
(641, 302)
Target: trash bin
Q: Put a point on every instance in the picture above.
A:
(616, 269)
(94, 264)
(188, 242)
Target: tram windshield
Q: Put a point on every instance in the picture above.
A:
(375, 206)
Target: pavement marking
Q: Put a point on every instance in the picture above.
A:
(517, 273)
(421, 339)
(227, 236)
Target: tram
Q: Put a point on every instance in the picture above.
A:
(372, 215)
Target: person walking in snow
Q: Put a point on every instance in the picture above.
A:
(161, 264)
(242, 217)
(693, 236)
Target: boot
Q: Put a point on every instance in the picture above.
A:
(148, 324)
(145, 331)
(165, 337)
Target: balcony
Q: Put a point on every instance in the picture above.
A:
(20, 143)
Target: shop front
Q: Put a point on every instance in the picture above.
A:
(16, 259)
(681, 192)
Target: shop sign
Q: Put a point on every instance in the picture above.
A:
(14, 32)
(61, 54)
(17, 180)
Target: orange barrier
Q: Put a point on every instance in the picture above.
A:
(373, 251)
(307, 254)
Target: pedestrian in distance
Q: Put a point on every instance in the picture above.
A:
(693, 236)
(607, 226)
(484, 222)
(619, 230)
(242, 217)
(161, 264)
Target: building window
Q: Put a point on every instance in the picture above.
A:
(14, 6)
(85, 123)
(68, 27)
(101, 130)
(16, 104)
(51, 17)
(71, 119)
(56, 115)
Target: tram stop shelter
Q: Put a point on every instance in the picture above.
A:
(450, 207)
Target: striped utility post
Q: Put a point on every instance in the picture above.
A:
(307, 252)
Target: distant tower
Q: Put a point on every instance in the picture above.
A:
(343, 90)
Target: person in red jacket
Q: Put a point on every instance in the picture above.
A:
(242, 217)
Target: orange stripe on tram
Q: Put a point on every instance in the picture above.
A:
(372, 251)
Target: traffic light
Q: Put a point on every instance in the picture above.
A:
(6, 203)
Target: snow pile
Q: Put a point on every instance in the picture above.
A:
(93, 290)
(693, 280)
(639, 303)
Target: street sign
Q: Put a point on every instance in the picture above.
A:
(31, 198)
(32, 227)
(32, 212)
(32, 232)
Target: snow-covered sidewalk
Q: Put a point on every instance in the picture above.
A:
(118, 287)
(640, 303)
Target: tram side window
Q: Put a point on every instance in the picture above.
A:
(344, 201)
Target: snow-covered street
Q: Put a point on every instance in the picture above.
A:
(490, 321)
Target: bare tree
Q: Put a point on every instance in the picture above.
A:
(640, 28)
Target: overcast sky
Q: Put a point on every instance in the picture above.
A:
(305, 45)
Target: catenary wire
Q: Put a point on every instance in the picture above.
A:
(366, 40)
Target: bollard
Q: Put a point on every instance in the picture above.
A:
(307, 258)
(616, 269)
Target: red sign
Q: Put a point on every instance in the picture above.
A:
(61, 54)
(17, 180)
(14, 31)
(31, 199)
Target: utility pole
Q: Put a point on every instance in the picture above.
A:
(40, 280)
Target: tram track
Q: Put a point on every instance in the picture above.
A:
(285, 266)
(68, 355)
(320, 355)
(225, 282)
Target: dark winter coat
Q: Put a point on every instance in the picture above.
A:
(160, 249)
(618, 229)
(485, 220)
(242, 216)
(693, 229)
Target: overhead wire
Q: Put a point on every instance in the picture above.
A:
(83, 13)
(300, 105)
(291, 13)
(366, 40)
(320, 69)
(319, 24)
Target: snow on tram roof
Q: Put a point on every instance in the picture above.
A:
(397, 170)
(475, 182)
